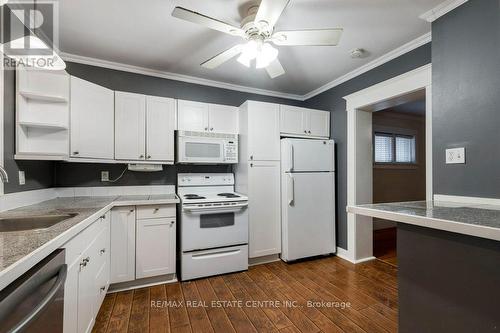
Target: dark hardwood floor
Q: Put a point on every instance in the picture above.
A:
(323, 295)
(384, 245)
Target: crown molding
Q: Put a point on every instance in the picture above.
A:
(173, 76)
(417, 42)
(441, 9)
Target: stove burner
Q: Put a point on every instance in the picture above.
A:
(193, 196)
(228, 195)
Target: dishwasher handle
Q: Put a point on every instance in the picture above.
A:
(61, 278)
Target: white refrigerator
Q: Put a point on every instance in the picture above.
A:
(307, 198)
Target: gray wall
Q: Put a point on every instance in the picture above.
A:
(39, 174)
(76, 174)
(466, 98)
(333, 101)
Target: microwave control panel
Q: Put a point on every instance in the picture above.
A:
(231, 152)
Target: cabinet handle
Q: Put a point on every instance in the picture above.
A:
(141, 156)
(251, 157)
(172, 223)
(102, 251)
(309, 132)
(251, 165)
(149, 156)
(211, 128)
(75, 153)
(131, 210)
(103, 217)
(156, 210)
(305, 131)
(103, 288)
(206, 128)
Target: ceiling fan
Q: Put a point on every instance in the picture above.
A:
(257, 29)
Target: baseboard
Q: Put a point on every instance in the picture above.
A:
(466, 200)
(359, 261)
(263, 260)
(142, 283)
(344, 254)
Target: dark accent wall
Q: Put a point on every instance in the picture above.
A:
(333, 101)
(39, 174)
(84, 174)
(466, 99)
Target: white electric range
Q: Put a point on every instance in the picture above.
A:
(213, 225)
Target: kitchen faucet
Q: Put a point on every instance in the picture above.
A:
(4, 177)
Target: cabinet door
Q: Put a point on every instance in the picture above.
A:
(192, 116)
(318, 123)
(223, 119)
(92, 120)
(155, 247)
(263, 131)
(87, 294)
(292, 120)
(130, 126)
(160, 126)
(264, 208)
(122, 244)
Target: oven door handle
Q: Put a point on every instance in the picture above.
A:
(215, 210)
(61, 278)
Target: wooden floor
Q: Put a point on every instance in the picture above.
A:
(384, 245)
(230, 303)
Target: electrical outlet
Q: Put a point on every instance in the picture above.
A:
(22, 178)
(104, 176)
(455, 156)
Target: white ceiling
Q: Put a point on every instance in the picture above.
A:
(144, 34)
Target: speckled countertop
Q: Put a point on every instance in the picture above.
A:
(474, 220)
(20, 250)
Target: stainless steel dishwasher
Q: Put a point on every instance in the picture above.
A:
(35, 301)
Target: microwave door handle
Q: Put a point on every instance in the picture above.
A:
(224, 151)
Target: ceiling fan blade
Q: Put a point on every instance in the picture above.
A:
(222, 57)
(194, 17)
(274, 69)
(326, 37)
(270, 11)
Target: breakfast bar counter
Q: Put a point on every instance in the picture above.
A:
(448, 264)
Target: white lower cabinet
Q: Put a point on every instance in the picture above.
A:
(155, 245)
(87, 257)
(122, 244)
(264, 210)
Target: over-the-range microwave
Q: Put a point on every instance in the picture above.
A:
(206, 148)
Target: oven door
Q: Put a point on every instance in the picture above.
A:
(200, 150)
(212, 227)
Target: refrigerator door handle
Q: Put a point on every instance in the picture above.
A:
(291, 190)
(292, 157)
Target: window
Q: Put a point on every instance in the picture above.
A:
(394, 148)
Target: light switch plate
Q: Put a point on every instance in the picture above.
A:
(104, 176)
(22, 178)
(455, 156)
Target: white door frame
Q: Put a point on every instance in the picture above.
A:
(359, 152)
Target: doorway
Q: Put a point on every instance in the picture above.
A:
(360, 109)
(399, 169)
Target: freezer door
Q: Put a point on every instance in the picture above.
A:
(307, 155)
(308, 208)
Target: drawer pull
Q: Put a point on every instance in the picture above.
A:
(131, 210)
(156, 210)
(102, 251)
(103, 217)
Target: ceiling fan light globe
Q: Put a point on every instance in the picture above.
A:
(266, 56)
(244, 60)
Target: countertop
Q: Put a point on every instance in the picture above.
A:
(473, 220)
(21, 250)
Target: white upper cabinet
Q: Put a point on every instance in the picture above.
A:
(302, 122)
(263, 131)
(192, 116)
(144, 127)
(160, 127)
(92, 120)
(204, 117)
(223, 119)
(318, 123)
(130, 126)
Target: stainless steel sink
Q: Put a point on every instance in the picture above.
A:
(32, 222)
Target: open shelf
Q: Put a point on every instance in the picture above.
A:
(43, 125)
(43, 97)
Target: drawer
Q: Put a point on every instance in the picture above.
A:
(101, 284)
(198, 264)
(155, 211)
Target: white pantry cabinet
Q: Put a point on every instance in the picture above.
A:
(87, 257)
(155, 249)
(302, 122)
(91, 120)
(205, 117)
(122, 244)
(264, 208)
(144, 127)
(259, 131)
